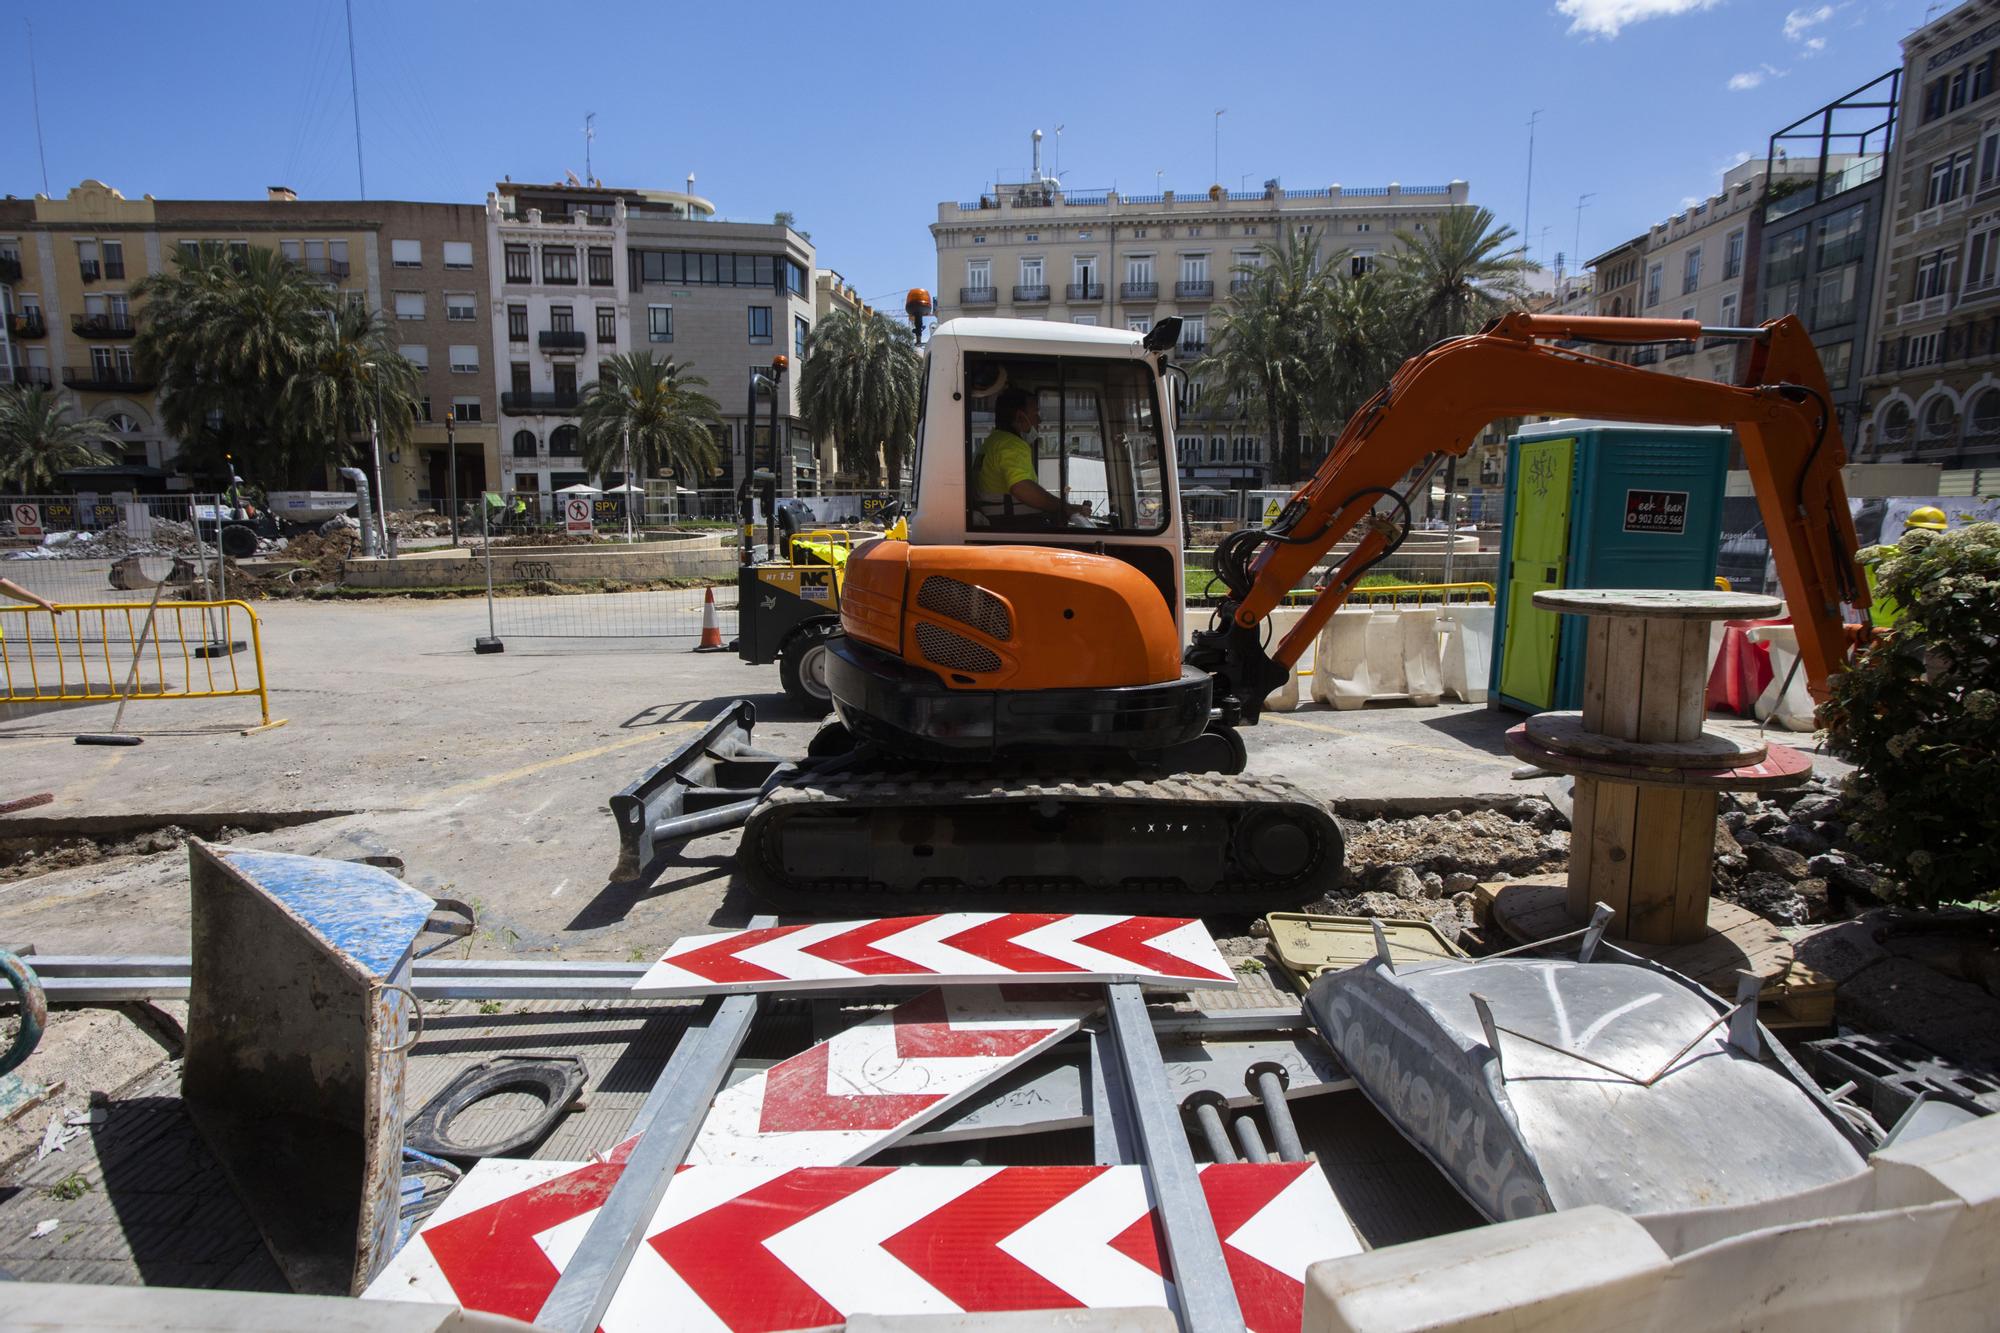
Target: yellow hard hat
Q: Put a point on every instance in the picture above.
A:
(1930, 516)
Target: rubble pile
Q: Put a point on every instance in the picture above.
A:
(1787, 857)
(1427, 867)
(418, 523)
(167, 537)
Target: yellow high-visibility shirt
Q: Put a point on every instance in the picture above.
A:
(1005, 460)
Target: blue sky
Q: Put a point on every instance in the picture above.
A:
(860, 118)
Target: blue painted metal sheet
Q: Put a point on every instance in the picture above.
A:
(364, 914)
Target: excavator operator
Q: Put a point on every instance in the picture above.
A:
(1003, 479)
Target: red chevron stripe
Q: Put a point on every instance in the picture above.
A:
(995, 941)
(1128, 939)
(796, 1098)
(719, 961)
(854, 948)
(924, 1032)
(1272, 1302)
(720, 1253)
(489, 1256)
(957, 1248)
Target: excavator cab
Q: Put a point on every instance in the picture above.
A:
(1006, 628)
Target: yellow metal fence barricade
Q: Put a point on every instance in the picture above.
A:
(1420, 593)
(85, 652)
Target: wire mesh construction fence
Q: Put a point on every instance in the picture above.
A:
(89, 548)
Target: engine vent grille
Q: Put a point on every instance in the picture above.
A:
(966, 604)
(955, 652)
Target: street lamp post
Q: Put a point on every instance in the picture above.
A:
(451, 447)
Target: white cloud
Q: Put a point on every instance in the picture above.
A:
(1815, 45)
(1799, 20)
(1751, 78)
(1606, 18)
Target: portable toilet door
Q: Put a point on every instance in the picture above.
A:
(1534, 556)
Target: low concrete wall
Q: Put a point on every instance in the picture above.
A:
(697, 555)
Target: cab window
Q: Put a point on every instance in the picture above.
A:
(1094, 437)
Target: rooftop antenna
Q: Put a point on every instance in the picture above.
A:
(1576, 246)
(35, 84)
(1219, 113)
(354, 91)
(589, 133)
(1055, 155)
(1528, 199)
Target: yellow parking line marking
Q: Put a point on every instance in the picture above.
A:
(574, 757)
(1465, 753)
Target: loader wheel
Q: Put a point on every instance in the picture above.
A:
(238, 542)
(802, 667)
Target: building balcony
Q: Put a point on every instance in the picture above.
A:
(1031, 295)
(1194, 348)
(562, 340)
(31, 377)
(88, 269)
(106, 379)
(1926, 218)
(27, 326)
(1139, 291)
(1931, 307)
(333, 270)
(978, 295)
(1195, 291)
(1645, 356)
(1681, 349)
(1240, 283)
(1979, 289)
(102, 326)
(1084, 291)
(560, 402)
(10, 269)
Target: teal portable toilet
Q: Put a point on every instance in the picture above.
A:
(1597, 504)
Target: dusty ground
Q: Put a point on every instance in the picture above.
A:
(488, 775)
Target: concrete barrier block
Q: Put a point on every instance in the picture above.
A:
(1286, 697)
(1365, 654)
(1341, 658)
(1585, 1269)
(1422, 671)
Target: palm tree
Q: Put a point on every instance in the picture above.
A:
(1460, 275)
(40, 439)
(227, 335)
(859, 388)
(351, 374)
(1269, 347)
(656, 410)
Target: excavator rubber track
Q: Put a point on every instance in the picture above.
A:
(891, 843)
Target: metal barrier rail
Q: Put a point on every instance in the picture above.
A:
(45, 660)
(1419, 592)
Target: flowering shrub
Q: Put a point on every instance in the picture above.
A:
(1919, 717)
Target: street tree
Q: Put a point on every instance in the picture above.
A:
(656, 407)
(1458, 275)
(859, 389)
(42, 437)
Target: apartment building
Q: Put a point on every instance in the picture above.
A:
(726, 299)
(1822, 217)
(1701, 264)
(1032, 250)
(1615, 279)
(1931, 389)
(72, 313)
(555, 311)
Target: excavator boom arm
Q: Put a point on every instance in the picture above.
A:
(1440, 400)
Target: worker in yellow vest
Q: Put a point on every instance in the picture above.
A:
(1883, 610)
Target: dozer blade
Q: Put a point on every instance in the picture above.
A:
(889, 843)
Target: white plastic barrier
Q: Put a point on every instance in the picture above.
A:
(1795, 710)
(1286, 697)
(1912, 1243)
(1465, 647)
(1365, 654)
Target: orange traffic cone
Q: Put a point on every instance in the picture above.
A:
(711, 626)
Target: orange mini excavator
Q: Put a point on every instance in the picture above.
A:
(1012, 683)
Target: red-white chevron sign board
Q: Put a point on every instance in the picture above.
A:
(755, 1249)
(866, 1087)
(947, 949)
